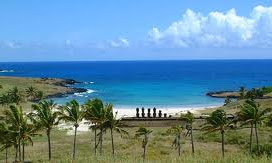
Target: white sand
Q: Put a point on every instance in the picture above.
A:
(129, 112)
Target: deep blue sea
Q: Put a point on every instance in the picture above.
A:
(151, 83)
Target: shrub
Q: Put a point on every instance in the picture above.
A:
(265, 149)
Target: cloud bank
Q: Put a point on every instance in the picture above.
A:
(121, 42)
(217, 29)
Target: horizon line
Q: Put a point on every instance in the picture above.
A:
(135, 60)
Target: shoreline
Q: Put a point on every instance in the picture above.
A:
(128, 112)
(131, 111)
(66, 83)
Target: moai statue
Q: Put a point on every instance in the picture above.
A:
(148, 113)
(137, 113)
(154, 112)
(165, 115)
(160, 114)
(143, 114)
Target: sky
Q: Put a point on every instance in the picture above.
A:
(90, 30)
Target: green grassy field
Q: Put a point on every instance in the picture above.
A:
(23, 83)
(47, 86)
(234, 106)
(128, 148)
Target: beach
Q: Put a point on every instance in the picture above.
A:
(129, 112)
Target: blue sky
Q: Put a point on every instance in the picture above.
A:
(51, 30)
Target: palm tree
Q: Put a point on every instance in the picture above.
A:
(94, 113)
(227, 101)
(242, 92)
(177, 131)
(5, 137)
(27, 131)
(18, 130)
(15, 96)
(252, 114)
(31, 93)
(189, 119)
(142, 131)
(71, 112)
(113, 124)
(14, 120)
(39, 95)
(44, 117)
(218, 121)
(5, 101)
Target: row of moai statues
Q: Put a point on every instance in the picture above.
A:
(149, 113)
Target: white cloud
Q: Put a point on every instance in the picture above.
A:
(67, 42)
(121, 42)
(11, 44)
(218, 29)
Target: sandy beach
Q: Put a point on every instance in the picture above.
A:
(129, 112)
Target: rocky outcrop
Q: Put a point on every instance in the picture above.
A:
(68, 83)
(224, 94)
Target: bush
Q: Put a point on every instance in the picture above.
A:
(265, 149)
(235, 138)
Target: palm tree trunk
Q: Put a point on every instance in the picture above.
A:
(145, 140)
(23, 151)
(112, 144)
(144, 153)
(95, 139)
(223, 143)
(49, 144)
(257, 138)
(192, 141)
(74, 149)
(250, 141)
(6, 155)
(179, 145)
(19, 147)
(16, 153)
(6, 148)
(101, 139)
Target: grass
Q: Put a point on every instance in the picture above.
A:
(23, 83)
(47, 86)
(128, 148)
(235, 106)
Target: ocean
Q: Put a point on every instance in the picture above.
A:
(169, 84)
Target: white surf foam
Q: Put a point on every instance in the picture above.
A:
(88, 82)
(7, 71)
(89, 91)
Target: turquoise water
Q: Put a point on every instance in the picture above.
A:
(151, 83)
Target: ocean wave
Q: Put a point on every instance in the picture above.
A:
(90, 91)
(7, 71)
(88, 82)
(83, 94)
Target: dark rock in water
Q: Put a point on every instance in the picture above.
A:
(72, 91)
(224, 94)
(77, 90)
(71, 81)
(65, 83)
